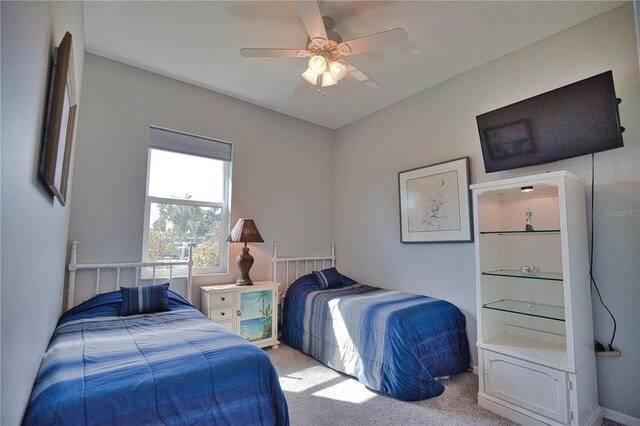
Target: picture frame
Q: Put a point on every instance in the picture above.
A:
(435, 205)
(60, 122)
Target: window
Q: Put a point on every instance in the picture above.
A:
(187, 200)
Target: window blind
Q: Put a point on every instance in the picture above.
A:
(185, 143)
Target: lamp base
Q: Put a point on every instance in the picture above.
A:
(242, 282)
(244, 261)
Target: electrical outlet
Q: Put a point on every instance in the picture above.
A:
(602, 351)
(614, 352)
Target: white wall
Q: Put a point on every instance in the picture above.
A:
(34, 225)
(439, 124)
(282, 166)
(298, 159)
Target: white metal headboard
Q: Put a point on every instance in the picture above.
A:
(97, 267)
(294, 267)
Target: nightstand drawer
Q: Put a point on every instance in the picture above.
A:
(222, 299)
(221, 314)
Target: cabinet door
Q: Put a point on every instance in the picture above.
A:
(255, 314)
(531, 386)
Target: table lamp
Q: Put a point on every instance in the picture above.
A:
(245, 232)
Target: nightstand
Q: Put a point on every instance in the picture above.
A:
(250, 311)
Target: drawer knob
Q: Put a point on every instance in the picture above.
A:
(221, 314)
(239, 314)
(223, 299)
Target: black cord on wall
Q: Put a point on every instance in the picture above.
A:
(593, 280)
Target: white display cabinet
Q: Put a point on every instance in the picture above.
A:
(535, 330)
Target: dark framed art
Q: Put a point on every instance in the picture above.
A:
(60, 122)
(434, 203)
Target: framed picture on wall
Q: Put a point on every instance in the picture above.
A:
(435, 204)
(60, 122)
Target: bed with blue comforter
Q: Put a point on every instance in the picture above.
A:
(391, 341)
(166, 368)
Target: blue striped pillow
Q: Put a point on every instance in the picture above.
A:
(328, 278)
(144, 299)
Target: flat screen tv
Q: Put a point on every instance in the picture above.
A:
(570, 121)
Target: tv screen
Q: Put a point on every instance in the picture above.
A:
(574, 120)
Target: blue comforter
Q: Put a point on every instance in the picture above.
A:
(394, 342)
(172, 368)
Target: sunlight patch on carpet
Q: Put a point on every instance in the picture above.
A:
(348, 390)
(308, 378)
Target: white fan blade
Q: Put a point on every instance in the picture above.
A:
(312, 19)
(380, 40)
(269, 53)
(354, 74)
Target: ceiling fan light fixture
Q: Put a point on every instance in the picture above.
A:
(338, 69)
(310, 76)
(328, 80)
(318, 64)
(325, 47)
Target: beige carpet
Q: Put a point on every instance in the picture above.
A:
(318, 395)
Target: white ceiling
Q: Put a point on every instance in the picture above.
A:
(198, 42)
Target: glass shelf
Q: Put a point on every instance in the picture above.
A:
(539, 310)
(542, 231)
(551, 276)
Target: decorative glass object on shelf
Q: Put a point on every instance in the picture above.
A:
(528, 220)
(530, 269)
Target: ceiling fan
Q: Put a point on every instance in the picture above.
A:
(325, 49)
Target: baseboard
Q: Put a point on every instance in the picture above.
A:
(620, 418)
(597, 418)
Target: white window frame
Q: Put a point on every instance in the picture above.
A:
(225, 209)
